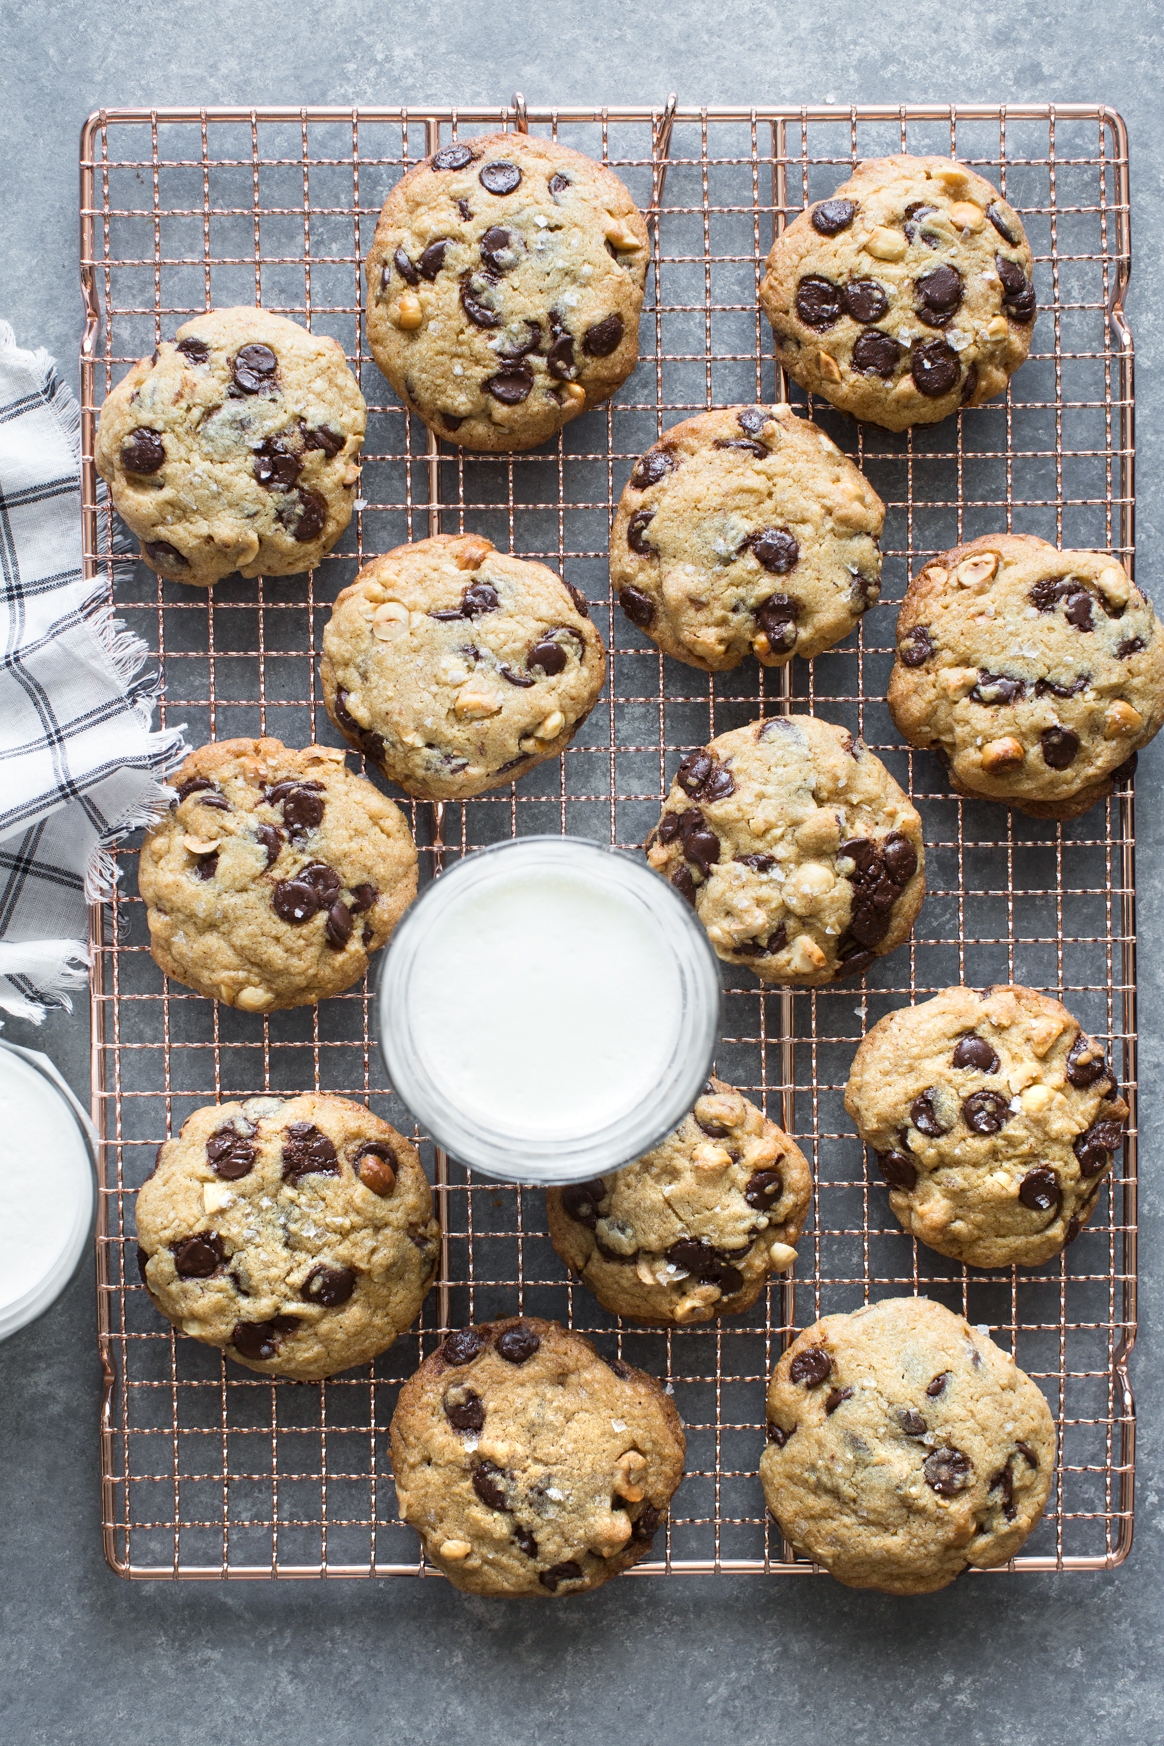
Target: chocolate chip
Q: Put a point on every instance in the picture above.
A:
(218, 801)
(918, 647)
(853, 959)
(776, 942)
(260, 1341)
(775, 548)
(496, 242)
(834, 1398)
(1003, 1482)
(452, 157)
(581, 1201)
(313, 888)
(305, 515)
(935, 369)
(195, 351)
(1059, 747)
(911, 1422)
(302, 809)
(757, 449)
(985, 1112)
(652, 467)
(375, 1165)
(635, 533)
(195, 785)
(1049, 688)
(478, 599)
(145, 452)
(560, 358)
(487, 1483)
(526, 1541)
(558, 184)
(914, 214)
(405, 268)
(581, 604)
(900, 858)
(833, 216)
(142, 1260)
(639, 607)
(499, 177)
(702, 848)
(199, 1256)
(864, 300)
(1094, 1148)
(474, 288)
(646, 1524)
(230, 1154)
(164, 555)
(462, 1346)
(510, 386)
(338, 927)
(1047, 594)
(898, 1170)
(876, 354)
(764, 1189)
(547, 654)
(1085, 1062)
(948, 1471)
(997, 688)
(329, 1286)
(811, 1367)
(694, 771)
(924, 1117)
(758, 863)
(1027, 1452)
(518, 1345)
(1039, 1189)
(939, 295)
(253, 368)
(974, 1051)
(307, 1152)
(1018, 293)
(703, 1261)
(433, 259)
(777, 618)
(970, 385)
(371, 744)
(206, 866)
(1130, 646)
(604, 337)
(818, 302)
(464, 1408)
(567, 1571)
(994, 214)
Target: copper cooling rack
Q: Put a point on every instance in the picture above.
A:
(211, 1471)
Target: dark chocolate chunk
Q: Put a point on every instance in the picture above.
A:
(994, 214)
(898, 1170)
(405, 268)
(969, 385)
(275, 467)
(1039, 1189)
(1094, 1148)
(260, 1341)
(581, 1201)
(939, 295)
(518, 1345)
(560, 358)
(1049, 688)
(745, 443)
(604, 337)
(1077, 609)
(948, 1471)
(935, 368)
(499, 177)
(1018, 293)
(307, 1152)
(547, 654)
(313, 888)
(337, 929)
(230, 1154)
(924, 1117)
(478, 599)
(764, 1189)
(488, 1483)
(305, 515)
(646, 1525)
(475, 287)
(144, 452)
(195, 351)
(703, 1261)
(864, 300)
(164, 555)
(900, 858)
(985, 1112)
(911, 1422)
(1003, 1482)
(142, 1261)
(636, 533)
(876, 354)
(498, 247)
(758, 863)
(206, 866)
(1060, 747)
(452, 157)
(778, 1435)
(752, 419)
(684, 884)
(918, 647)
(777, 618)
(558, 184)
(462, 1346)
(1027, 1452)
(914, 214)
(1085, 1062)
(833, 216)
(854, 958)
(639, 607)
(433, 259)
(974, 1051)
(776, 548)
(199, 1256)
(818, 302)
(371, 744)
(302, 804)
(464, 1408)
(652, 467)
(329, 1286)
(997, 688)
(567, 1571)
(812, 1367)
(253, 368)
(834, 1398)
(525, 1541)
(510, 386)
(937, 1386)
(1130, 646)
(581, 604)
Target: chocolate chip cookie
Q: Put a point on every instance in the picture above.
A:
(801, 855)
(275, 875)
(1035, 674)
(904, 1446)
(904, 296)
(455, 668)
(504, 288)
(530, 1465)
(993, 1119)
(694, 1228)
(296, 1234)
(746, 531)
(234, 448)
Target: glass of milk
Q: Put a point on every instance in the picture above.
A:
(548, 1009)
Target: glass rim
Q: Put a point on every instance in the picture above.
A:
(515, 1157)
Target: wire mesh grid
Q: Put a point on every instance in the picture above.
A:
(211, 1471)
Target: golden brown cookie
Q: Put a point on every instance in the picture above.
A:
(504, 288)
(746, 531)
(904, 1446)
(695, 1227)
(800, 853)
(530, 1465)
(1035, 674)
(275, 875)
(905, 295)
(994, 1119)
(296, 1234)
(234, 447)
(455, 668)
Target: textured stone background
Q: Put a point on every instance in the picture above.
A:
(87, 1658)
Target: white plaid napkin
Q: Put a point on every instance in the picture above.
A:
(79, 766)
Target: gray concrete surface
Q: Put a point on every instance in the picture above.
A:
(87, 1658)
